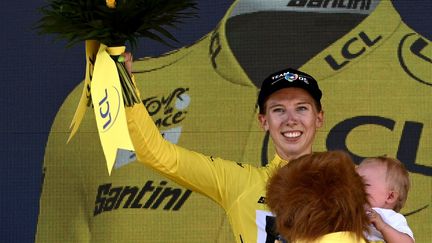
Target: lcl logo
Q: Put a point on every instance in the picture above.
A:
(352, 49)
(109, 107)
(415, 56)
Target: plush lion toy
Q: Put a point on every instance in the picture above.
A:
(319, 198)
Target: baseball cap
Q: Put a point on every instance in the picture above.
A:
(288, 78)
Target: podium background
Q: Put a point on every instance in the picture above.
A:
(38, 73)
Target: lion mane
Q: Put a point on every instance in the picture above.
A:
(318, 194)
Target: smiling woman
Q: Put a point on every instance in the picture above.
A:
(288, 100)
(290, 110)
(291, 117)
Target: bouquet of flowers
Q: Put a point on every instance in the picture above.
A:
(114, 22)
(106, 26)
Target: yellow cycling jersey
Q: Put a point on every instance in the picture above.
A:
(238, 188)
(376, 82)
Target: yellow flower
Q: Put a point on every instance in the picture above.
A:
(110, 3)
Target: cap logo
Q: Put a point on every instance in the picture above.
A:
(290, 77)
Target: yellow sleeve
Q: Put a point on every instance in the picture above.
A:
(213, 177)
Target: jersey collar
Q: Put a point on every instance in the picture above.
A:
(277, 161)
(222, 57)
(384, 21)
(370, 34)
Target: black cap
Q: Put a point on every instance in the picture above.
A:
(288, 78)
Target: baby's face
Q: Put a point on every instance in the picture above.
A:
(374, 176)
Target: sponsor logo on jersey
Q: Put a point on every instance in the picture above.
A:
(352, 49)
(318, 6)
(149, 196)
(344, 4)
(168, 111)
(414, 54)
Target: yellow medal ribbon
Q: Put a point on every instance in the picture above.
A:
(92, 47)
(107, 98)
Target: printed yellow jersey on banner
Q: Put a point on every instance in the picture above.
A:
(377, 87)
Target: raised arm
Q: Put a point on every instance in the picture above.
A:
(207, 175)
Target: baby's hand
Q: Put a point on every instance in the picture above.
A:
(375, 219)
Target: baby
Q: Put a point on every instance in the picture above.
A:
(387, 184)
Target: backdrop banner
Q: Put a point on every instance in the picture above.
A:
(376, 76)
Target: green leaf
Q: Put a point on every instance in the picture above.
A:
(79, 20)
